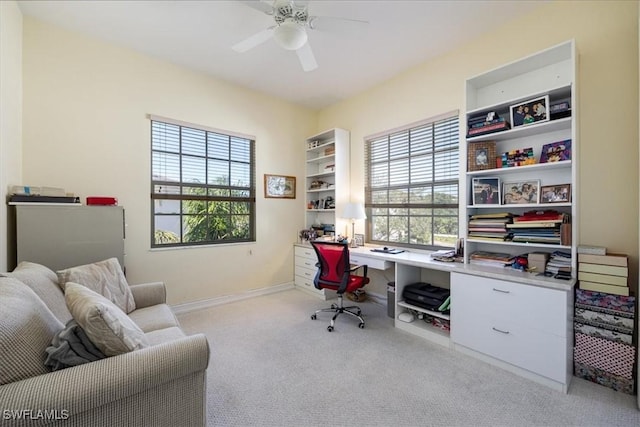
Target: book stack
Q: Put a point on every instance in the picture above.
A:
(491, 227)
(30, 194)
(538, 227)
(559, 265)
(486, 123)
(604, 273)
(604, 352)
(491, 259)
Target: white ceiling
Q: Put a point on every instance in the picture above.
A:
(351, 58)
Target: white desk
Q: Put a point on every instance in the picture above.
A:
(516, 320)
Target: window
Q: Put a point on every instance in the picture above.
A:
(411, 184)
(202, 185)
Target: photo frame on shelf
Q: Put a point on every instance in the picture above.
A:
(486, 191)
(515, 158)
(560, 193)
(529, 112)
(279, 186)
(521, 192)
(359, 238)
(481, 155)
(556, 151)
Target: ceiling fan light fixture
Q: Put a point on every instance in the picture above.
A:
(290, 35)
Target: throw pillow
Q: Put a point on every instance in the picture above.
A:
(106, 325)
(104, 277)
(27, 327)
(44, 282)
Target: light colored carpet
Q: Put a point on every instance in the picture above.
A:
(271, 365)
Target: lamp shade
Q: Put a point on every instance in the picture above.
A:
(290, 35)
(354, 211)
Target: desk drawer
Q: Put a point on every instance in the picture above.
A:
(533, 307)
(378, 264)
(305, 262)
(535, 351)
(307, 273)
(305, 252)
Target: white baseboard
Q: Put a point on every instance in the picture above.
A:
(226, 299)
(377, 298)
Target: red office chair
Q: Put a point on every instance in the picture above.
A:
(334, 272)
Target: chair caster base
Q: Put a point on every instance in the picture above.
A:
(330, 328)
(361, 326)
(314, 317)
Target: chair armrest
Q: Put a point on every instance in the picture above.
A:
(148, 294)
(354, 267)
(93, 385)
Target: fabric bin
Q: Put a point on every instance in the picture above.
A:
(610, 356)
(607, 379)
(610, 301)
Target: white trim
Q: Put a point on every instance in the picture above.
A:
(199, 127)
(212, 302)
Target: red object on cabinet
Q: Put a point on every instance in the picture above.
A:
(102, 201)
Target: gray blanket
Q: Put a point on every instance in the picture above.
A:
(71, 347)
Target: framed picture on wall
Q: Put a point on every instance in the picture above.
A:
(279, 186)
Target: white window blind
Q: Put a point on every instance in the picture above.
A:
(411, 184)
(202, 185)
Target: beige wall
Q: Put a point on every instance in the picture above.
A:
(10, 111)
(86, 130)
(606, 35)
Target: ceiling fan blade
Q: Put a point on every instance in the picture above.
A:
(307, 58)
(260, 6)
(254, 40)
(332, 23)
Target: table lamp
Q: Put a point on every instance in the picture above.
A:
(354, 211)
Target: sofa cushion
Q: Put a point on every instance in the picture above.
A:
(104, 277)
(26, 329)
(108, 327)
(157, 316)
(164, 335)
(44, 282)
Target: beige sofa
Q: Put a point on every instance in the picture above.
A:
(162, 384)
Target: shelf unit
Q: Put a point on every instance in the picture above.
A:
(552, 73)
(407, 275)
(327, 177)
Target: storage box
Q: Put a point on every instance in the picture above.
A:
(603, 378)
(537, 261)
(610, 301)
(609, 356)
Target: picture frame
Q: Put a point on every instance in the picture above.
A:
(486, 191)
(521, 192)
(359, 238)
(279, 186)
(556, 151)
(559, 193)
(481, 155)
(529, 112)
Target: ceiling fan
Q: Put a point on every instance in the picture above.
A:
(292, 21)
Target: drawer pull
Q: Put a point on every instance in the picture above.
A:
(498, 330)
(502, 291)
